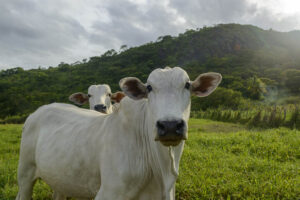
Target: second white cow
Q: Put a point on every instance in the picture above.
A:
(99, 97)
(132, 153)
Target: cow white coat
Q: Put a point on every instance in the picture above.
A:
(132, 153)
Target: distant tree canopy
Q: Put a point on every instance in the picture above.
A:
(292, 80)
(251, 60)
(221, 97)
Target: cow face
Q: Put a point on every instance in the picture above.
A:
(99, 97)
(168, 91)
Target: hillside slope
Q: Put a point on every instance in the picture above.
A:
(248, 57)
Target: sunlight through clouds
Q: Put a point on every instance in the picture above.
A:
(282, 7)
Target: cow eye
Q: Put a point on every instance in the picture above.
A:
(109, 94)
(89, 95)
(149, 88)
(187, 85)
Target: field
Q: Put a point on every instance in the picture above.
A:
(220, 161)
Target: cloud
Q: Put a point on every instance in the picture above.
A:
(259, 13)
(44, 33)
(31, 35)
(133, 23)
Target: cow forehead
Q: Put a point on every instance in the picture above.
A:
(168, 76)
(99, 89)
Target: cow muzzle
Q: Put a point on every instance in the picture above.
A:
(171, 132)
(101, 108)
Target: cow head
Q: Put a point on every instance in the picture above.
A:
(99, 97)
(168, 92)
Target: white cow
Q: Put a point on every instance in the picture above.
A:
(99, 98)
(132, 153)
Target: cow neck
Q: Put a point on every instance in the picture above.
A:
(162, 160)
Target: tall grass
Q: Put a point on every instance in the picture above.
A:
(256, 116)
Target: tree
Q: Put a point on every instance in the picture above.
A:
(255, 88)
(221, 97)
(292, 80)
(123, 48)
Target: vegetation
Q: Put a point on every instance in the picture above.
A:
(255, 116)
(10, 137)
(256, 64)
(239, 165)
(220, 161)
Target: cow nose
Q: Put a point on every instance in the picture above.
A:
(174, 127)
(100, 107)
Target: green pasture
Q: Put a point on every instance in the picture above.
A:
(220, 161)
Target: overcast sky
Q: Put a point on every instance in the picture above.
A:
(37, 33)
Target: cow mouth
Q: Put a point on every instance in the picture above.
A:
(102, 111)
(169, 142)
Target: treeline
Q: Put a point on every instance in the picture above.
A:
(256, 64)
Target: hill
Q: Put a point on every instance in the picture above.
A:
(256, 64)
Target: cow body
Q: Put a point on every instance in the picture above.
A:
(130, 154)
(85, 150)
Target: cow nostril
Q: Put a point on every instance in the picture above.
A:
(180, 124)
(160, 128)
(160, 125)
(180, 128)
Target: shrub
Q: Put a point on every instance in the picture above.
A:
(226, 97)
(294, 120)
(17, 119)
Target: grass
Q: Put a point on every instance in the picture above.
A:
(239, 165)
(10, 137)
(220, 161)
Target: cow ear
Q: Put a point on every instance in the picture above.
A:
(133, 87)
(205, 84)
(79, 98)
(117, 97)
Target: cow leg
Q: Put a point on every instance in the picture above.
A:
(58, 196)
(106, 195)
(26, 180)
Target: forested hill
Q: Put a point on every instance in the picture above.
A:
(254, 63)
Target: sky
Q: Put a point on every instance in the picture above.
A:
(35, 33)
